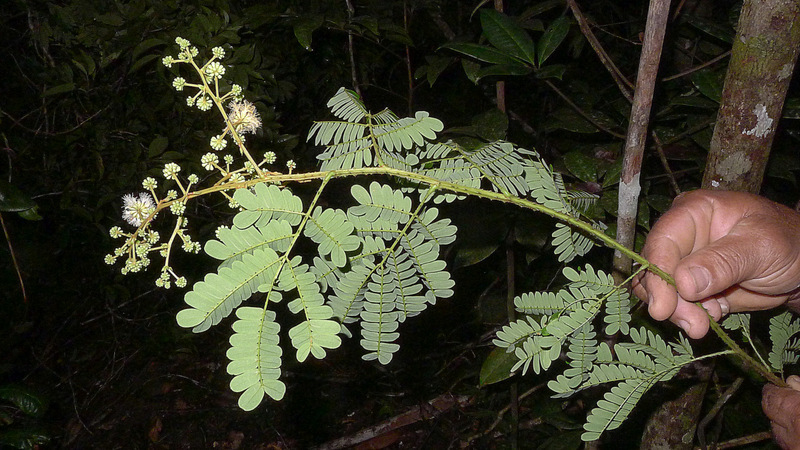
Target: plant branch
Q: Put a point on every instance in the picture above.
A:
(351, 49)
(14, 260)
(581, 112)
(625, 86)
(639, 121)
(698, 67)
(661, 156)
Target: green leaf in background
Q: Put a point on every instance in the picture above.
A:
(471, 69)
(157, 146)
(146, 45)
(304, 29)
(541, 7)
(551, 71)
(694, 101)
(368, 22)
(436, 65)
(709, 83)
(505, 34)
(141, 62)
(502, 70)
(721, 31)
(24, 438)
(27, 401)
(552, 38)
(568, 119)
(581, 165)
(791, 109)
(12, 199)
(660, 203)
(60, 89)
(491, 125)
(480, 52)
(30, 214)
(497, 367)
(469, 256)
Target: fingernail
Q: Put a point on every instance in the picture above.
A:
(724, 306)
(794, 382)
(701, 278)
(684, 325)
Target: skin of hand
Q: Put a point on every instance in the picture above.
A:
(729, 251)
(782, 407)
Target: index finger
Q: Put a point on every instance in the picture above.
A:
(674, 236)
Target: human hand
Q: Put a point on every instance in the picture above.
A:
(782, 407)
(729, 251)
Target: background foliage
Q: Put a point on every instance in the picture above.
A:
(86, 111)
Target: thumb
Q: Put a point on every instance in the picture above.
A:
(728, 261)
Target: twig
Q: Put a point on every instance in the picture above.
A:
(678, 9)
(623, 84)
(408, 64)
(353, 72)
(503, 412)
(444, 27)
(699, 67)
(714, 411)
(14, 260)
(689, 132)
(581, 112)
(670, 175)
(500, 86)
(744, 440)
(426, 411)
(638, 124)
(50, 133)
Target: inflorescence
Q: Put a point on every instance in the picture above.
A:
(139, 210)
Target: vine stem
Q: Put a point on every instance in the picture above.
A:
(437, 184)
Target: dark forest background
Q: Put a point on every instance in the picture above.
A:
(92, 359)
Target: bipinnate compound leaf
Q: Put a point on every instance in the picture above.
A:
(547, 188)
(615, 407)
(405, 133)
(379, 320)
(581, 354)
(785, 350)
(500, 163)
(348, 293)
(525, 338)
(255, 357)
(317, 331)
(381, 209)
(347, 105)
(333, 233)
(265, 203)
(219, 293)
(234, 242)
(637, 367)
(361, 139)
(602, 286)
(539, 303)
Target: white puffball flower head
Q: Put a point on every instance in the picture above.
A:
(135, 209)
(244, 117)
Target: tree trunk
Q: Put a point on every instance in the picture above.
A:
(762, 61)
